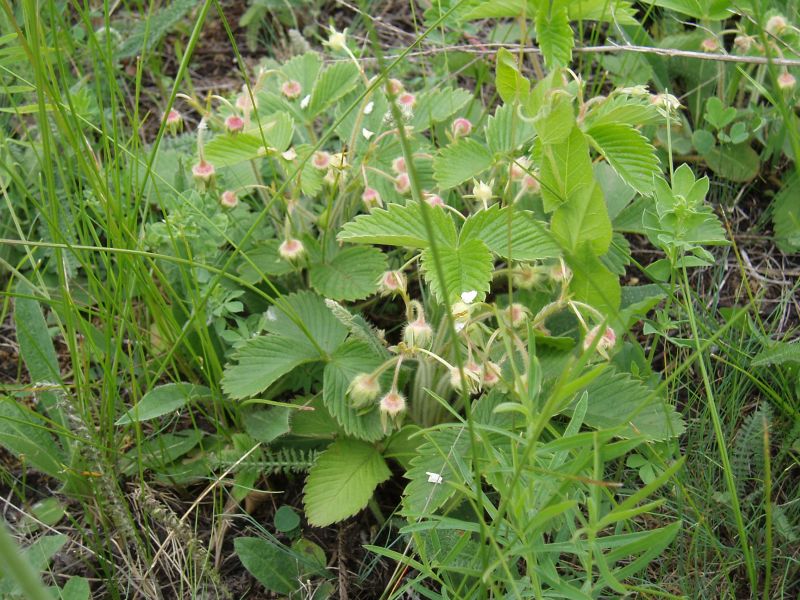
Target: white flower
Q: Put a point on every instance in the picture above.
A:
(289, 155)
(469, 297)
(305, 101)
(337, 40)
(367, 133)
(368, 108)
(483, 192)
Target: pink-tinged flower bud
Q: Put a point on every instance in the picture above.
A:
(515, 315)
(392, 282)
(433, 199)
(399, 165)
(371, 198)
(402, 183)
(204, 172)
(531, 184)
(776, 25)
(461, 127)
(709, 45)
(392, 405)
(407, 100)
(234, 124)
(786, 81)
(527, 277)
(363, 389)
(291, 89)
(472, 375)
(244, 102)
(228, 199)
(291, 250)
(417, 333)
(561, 273)
(173, 120)
(395, 86)
(321, 160)
(491, 374)
(606, 342)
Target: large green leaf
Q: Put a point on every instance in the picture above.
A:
(436, 105)
(342, 481)
(628, 152)
(227, 149)
(504, 228)
(583, 220)
(554, 34)
(566, 169)
(304, 319)
(350, 274)
(399, 225)
(462, 160)
(618, 400)
(467, 267)
(593, 283)
(274, 568)
(164, 399)
(26, 435)
(737, 162)
(511, 84)
(260, 361)
(352, 358)
(333, 83)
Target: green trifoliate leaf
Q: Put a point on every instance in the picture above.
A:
(461, 161)
(399, 225)
(351, 274)
(342, 481)
(510, 233)
(628, 152)
(467, 267)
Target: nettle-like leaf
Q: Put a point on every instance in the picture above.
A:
(342, 481)
(507, 228)
(445, 453)
(506, 131)
(462, 160)
(399, 225)
(583, 220)
(467, 267)
(350, 274)
(566, 169)
(618, 400)
(628, 152)
(350, 359)
(554, 34)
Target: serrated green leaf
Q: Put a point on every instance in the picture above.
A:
(440, 454)
(304, 70)
(554, 35)
(778, 353)
(583, 220)
(333, 82)
(511, 84)
(308, 309)
(267, 424)
(227, 149)
(265, 259)
(342, 481)
(164, 399)
(496, 9)
(351, 359)
(260, 361)
(628, 152)
(527, 238)
(399, 225)
(786, 215)
(566, 170)
(593, 283)
(278, 131)
(506, 131)
(147, 34)
(461, 161)
(437, 105)
(616, 399)
(351, 274)
(623, 109)
(467, 267)
(555, 120)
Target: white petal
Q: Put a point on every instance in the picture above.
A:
(367, 133)
(368, 108)
(468, 297)
(433, 477)
(304, 102)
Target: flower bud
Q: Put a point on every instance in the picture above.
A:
(515, 315)
(519, 168)
(371, 198)
(337, 40)
(417, 333)
(204, 172)
(743, 43)
(491, 374)
(291, 89)
(527, 276)
(776, 25)
(234, 124)
(392, 405)
(461, 127)
(561, 273)
(482, 192)
(709, 45)
(606, 342)
(228, 199)
(244, 102)
(289, 155)
(321, 160)
(392, 282)
(402, 183)
(395, 86)
(786, 81)
(363, 389)
(432, 199)
(174, 121)
(399, 165)
(291, 250)
(472, 378)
